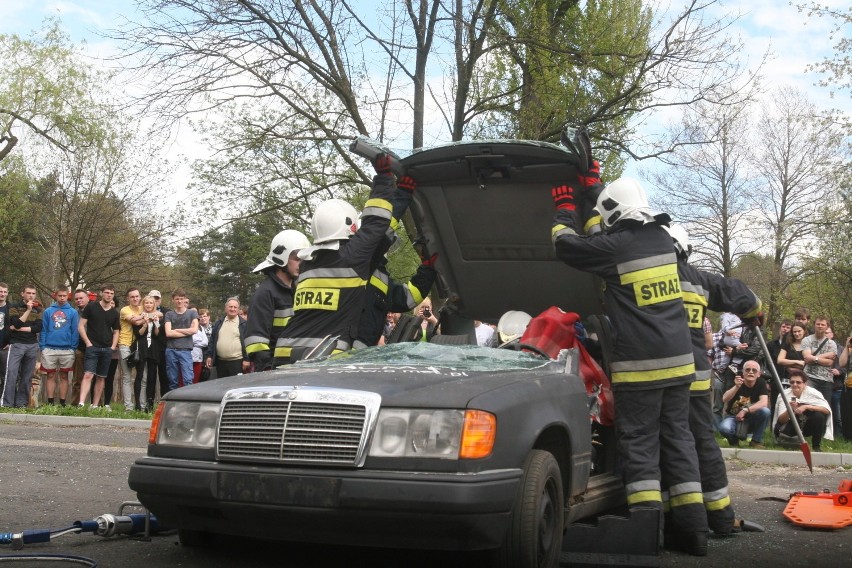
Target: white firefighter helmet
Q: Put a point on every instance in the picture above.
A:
(284, 243)
(625, 199)
(681, 240)
(333, 220)
(512, 325)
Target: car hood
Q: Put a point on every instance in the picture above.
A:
(405, 374)
(485, 208)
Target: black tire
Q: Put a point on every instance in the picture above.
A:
(192, 538)
(534, 538)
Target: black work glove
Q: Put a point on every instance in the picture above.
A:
(407, 183)
(563, 197)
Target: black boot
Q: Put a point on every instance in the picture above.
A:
(694, 543)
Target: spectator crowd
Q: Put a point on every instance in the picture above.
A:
(102, 351)
(813, 368)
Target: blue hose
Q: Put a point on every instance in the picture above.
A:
(30, 536)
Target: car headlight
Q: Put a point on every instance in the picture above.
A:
(425, 433)
(191, 424)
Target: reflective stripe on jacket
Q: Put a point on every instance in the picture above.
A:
(642, 296)
(331, 288)
(271, 309)
(703, 290)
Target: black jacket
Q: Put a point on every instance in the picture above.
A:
(642, 297)
(703, 290)
(270, 312)
(331, 288)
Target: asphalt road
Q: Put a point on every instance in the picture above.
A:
(53, 475)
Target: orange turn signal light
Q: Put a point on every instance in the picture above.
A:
(155, 423)
(478, 434)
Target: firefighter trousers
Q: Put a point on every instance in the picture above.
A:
(711, 464)
(656, 448)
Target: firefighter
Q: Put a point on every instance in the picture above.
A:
(331, 289)
(652, 356)
(384, 294)
(703, 290)
(272, 303)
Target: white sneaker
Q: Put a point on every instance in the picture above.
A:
(107, 408)
(81, 405)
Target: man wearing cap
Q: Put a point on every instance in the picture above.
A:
(272, 304)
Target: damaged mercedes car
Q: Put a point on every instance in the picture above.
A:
(419, 444)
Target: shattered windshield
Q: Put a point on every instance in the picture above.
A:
(461, 357)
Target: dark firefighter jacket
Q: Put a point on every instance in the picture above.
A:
(703, 290)
(270, 311)
(331, 288)
(384, 294)
(642, 296)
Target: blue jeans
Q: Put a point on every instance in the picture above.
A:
(757, 423)
(178, 365)
(21, 362)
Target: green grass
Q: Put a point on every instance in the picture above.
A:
(88, 412)
(836, 446)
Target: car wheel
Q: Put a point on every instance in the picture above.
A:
(191, 538)
(534, 538)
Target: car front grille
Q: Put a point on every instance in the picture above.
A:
(319, 427)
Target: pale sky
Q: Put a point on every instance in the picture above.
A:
(794, 40)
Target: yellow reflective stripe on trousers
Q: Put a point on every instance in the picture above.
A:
(687, 493)
(643, 491)
(718, 504)
(687, 499)
(644, 497)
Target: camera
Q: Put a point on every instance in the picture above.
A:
(427, 313)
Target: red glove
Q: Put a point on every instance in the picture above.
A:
(407, 183)
(592, 177)
(563, 197)
(382, 164)
(429, 262)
